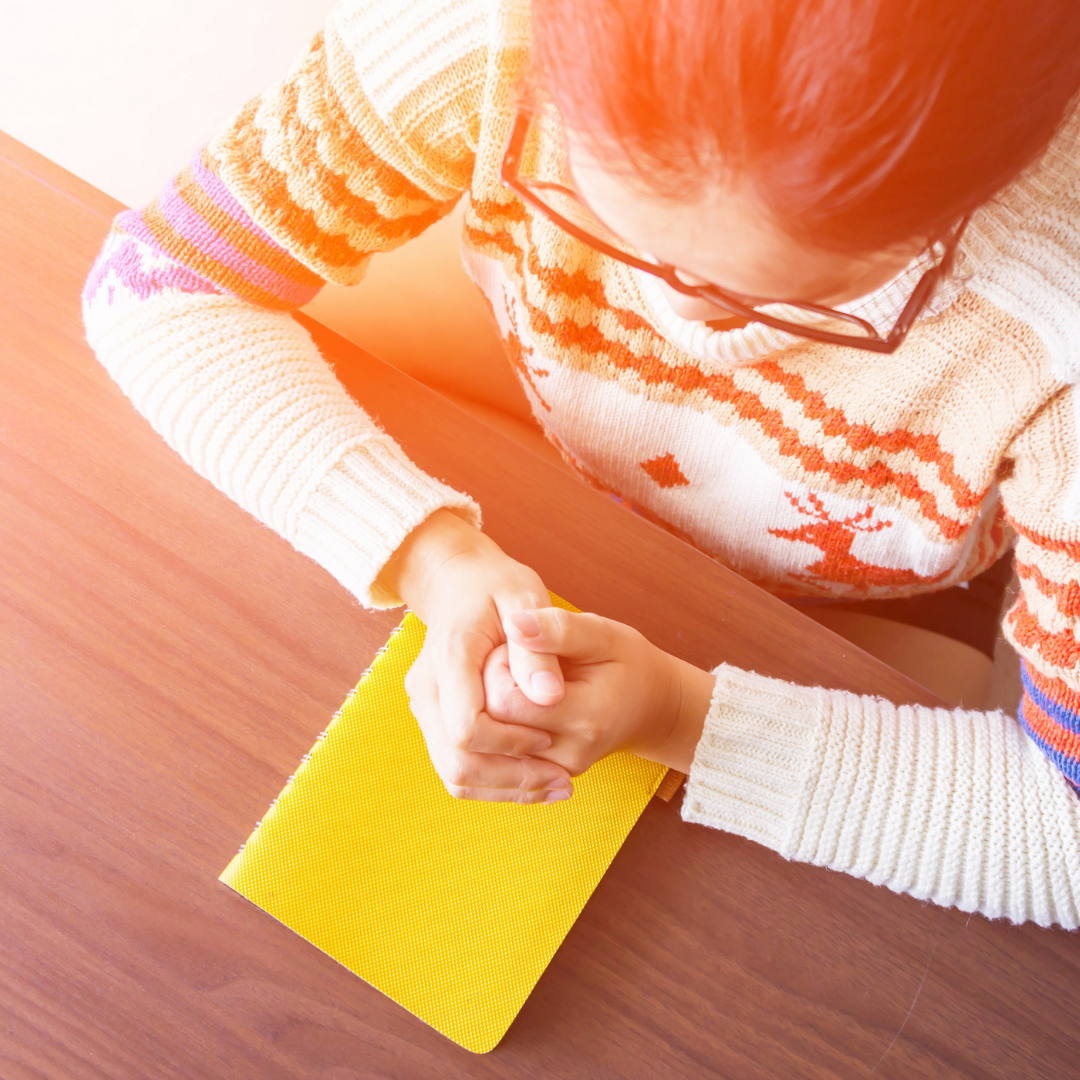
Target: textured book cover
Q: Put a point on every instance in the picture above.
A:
(451, 908)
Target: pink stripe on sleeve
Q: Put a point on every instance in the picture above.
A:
(201, 234)
(131, 260)
(222, 197)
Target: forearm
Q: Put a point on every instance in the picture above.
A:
(242, 394)
(952, 806)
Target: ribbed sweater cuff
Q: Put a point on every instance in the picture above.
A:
(363, 508)
(754, 763)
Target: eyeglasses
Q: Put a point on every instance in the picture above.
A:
(561, 205)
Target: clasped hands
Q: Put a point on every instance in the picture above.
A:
(515, 697)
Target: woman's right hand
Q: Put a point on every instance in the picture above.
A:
(462, 586)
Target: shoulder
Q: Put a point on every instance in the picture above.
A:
(1041, 484)
(427, 30)
(408, 59)
(1021, 251)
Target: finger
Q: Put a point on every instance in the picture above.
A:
(449, 722)
(461, 703)
(514, 711)
(497, 737)
(533, 798)
(539, 677)
(506, 702)
(579, 636)
(494, 777)
(501, 693)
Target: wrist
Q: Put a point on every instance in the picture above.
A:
(442, 536)
(693, 690)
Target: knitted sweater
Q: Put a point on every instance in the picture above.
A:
(811, 469)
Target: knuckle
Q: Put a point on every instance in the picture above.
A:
(463, 738)
(526, 779)
(468, 644)
(539, 598)
(576, 763)
(525, 749)
(603, 630)
(456, 774)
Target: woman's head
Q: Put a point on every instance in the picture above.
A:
(853, 128)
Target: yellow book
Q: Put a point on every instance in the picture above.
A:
(452, 908)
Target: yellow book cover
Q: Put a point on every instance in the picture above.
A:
(451, 908)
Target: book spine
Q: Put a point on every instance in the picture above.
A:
(322, 734)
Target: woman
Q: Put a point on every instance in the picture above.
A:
(856, 363)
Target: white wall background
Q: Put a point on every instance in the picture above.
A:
(122, 92)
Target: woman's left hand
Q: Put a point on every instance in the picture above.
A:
(622, 692)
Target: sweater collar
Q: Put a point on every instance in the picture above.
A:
(747, 345)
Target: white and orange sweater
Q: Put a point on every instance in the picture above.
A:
(811, 469)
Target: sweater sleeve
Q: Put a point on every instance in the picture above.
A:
(369, 139)
(956, 807)
(969, 809)
(1043, 499)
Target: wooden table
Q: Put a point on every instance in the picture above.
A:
(165, 661)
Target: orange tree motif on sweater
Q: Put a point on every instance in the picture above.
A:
(834, 539)
(520, 354)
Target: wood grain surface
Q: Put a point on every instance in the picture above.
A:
(165, 661)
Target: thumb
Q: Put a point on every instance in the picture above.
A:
(579, 636)
(536, 673)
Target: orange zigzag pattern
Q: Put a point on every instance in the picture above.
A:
(863, 437)
(1047, 543)
(719, 386)
(1066, 597)
(1061, 650)
(297, 221)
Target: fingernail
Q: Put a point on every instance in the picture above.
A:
(546, 682)
(555, 796)
(560, 783)
(543, 744)
(525, 623)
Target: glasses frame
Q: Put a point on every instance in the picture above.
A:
(872, 342)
